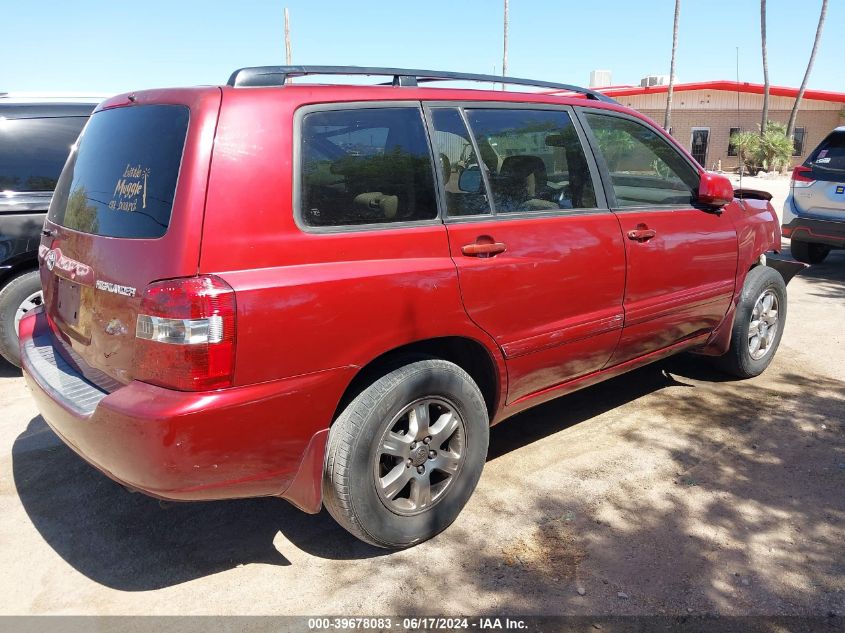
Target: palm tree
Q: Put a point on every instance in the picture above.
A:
(765, 68)
(790, 128)
(667, 120)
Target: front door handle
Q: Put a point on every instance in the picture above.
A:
(641, 234)
(483, 249)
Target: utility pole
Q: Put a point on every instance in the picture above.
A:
(505, 47)
(287, 37)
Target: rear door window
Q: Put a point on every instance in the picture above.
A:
(34, 150)
(121, 180)
(365, 166)
(644, 169)
(534, 160)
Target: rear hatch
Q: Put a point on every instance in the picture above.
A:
(127, 211)
(825, 170)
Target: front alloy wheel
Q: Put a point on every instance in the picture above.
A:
(758, 324)
(764, 324)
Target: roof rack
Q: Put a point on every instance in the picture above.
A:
(277, 76)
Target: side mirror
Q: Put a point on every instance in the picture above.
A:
(470, 180)
(714, 190)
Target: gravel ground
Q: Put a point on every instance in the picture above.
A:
(667, 490)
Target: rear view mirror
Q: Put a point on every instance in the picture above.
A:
(714, 190)
(470, 180)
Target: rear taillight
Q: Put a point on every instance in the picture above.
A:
(185, 334)
(801, 177)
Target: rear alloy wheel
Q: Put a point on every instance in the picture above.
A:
(758, 324)
(809, 252)
(404, 457)
(19, 296)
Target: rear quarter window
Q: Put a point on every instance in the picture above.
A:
(829, 157)
(365, 166)
(121, 180)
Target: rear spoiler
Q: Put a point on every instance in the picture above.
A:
(752, 194)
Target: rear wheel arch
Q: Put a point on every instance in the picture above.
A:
(468, 354)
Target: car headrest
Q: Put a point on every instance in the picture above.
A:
(445, 167)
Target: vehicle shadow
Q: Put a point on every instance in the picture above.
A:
(828, 278)
(746, 491)
(131, 542)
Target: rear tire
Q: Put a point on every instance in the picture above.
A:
(406, 454)
(809, 252)
(758, 324)
(18, 296)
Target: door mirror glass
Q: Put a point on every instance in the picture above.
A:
(470, 180)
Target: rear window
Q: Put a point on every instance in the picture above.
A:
(829, 155)
(33, 151)
(121, 180)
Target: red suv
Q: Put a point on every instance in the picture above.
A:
(329, 293)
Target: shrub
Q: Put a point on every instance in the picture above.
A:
(775, 147)
(770, 151)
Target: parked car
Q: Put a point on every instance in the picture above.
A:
(814, 211)
(275, 289)
(36, 133)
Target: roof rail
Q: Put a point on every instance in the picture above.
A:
(277, 76)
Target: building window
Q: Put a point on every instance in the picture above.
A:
(798, 141)
(731, 146)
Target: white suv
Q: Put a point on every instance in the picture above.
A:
(814, 212)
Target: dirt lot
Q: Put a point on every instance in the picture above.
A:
(668, 490)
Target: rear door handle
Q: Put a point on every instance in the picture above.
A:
(641, 234)
(482, 249)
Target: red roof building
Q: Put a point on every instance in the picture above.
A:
(705, 114)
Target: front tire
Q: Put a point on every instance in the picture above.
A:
(405, 455)
(809, 252)
(17, 297)
(758, 324)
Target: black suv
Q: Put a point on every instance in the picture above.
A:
(36, 134)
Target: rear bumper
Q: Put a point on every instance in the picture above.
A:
(829, 232)
(260, 440)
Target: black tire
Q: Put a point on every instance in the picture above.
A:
(12, 295)
(739, 361)
(350, 485)
(809, 252)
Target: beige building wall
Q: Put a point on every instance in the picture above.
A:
(717, 110)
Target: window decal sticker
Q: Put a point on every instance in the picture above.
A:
(129, 186)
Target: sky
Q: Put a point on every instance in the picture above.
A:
(113, 46)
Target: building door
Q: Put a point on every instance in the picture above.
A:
(700, 140)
